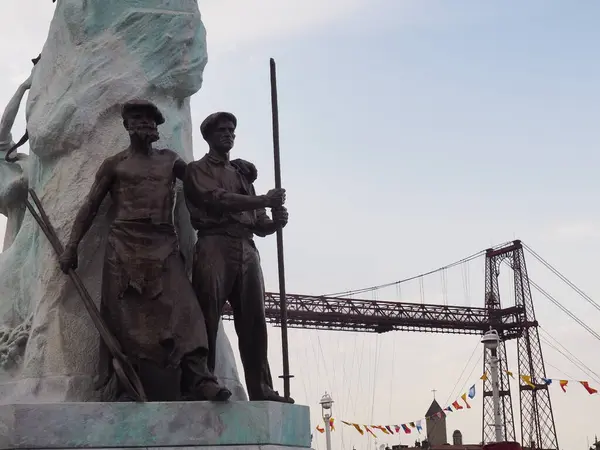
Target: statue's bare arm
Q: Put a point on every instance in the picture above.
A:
(202, 190)
(91, 205)
(264, 224)
(10, 113)
(179, 169)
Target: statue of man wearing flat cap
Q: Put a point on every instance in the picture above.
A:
(147, 299)
(227, 214)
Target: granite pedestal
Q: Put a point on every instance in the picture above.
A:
(184, 425)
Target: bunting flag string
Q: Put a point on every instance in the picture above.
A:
(320, 429)
(533, 384)
(407, 427)
(461, 403)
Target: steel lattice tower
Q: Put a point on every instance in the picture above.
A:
(492, 303)
(537, 419)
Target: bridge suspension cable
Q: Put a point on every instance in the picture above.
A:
(562, 277)
(480, 253)
(561, 307)
(456, 389)
(560, 348)
(396, 283)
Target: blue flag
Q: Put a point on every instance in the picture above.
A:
(472, 391)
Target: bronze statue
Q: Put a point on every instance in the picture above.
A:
(227, 213)
(147, 299)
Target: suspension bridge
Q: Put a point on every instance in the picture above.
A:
(514, 319)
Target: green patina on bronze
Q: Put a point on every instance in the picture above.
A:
(121, 425)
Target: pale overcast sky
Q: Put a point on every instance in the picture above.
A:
(413, 133)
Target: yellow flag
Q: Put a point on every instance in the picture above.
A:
(464, 397)
(527, 380)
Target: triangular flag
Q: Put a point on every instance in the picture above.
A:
(587, 387)
(547, 381)
(397, 428)
(448, 408)
(464, 397)
(389, 428)
(419, 426)
(563, 384)
(472, 392)
(368, 430)
(380, 428)
(527, 380)
(510, 374)
(358, 428)
(484, 377)
(412, 424)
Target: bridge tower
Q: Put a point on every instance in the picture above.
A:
(537, 419)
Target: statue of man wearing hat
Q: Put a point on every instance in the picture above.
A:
(147, 299)
(227, 214)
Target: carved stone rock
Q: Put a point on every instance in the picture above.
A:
(98, 54)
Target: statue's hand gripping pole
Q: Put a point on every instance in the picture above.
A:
(123, 368)
(23, 140)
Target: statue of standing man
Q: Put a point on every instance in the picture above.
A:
(147, 299)
(227, 213)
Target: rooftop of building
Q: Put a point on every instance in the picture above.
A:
(450, 447)
(433, 409)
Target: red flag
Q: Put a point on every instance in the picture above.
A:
(563, 385)
(397, 428)
(368, 430)
(406, 429)
(587, 387)
(320, 430)
(464, 397)
(457, 405)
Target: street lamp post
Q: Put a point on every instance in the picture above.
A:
(491, 340)
(326, 403)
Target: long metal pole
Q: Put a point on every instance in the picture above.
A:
(496, 396)
(327, 432)
(280, 260)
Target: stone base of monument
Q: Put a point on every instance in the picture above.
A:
(187, 425)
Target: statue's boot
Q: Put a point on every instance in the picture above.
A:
(271, 395)
(212, 391)
(197, 382)
(274, 396)
(125, 398)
